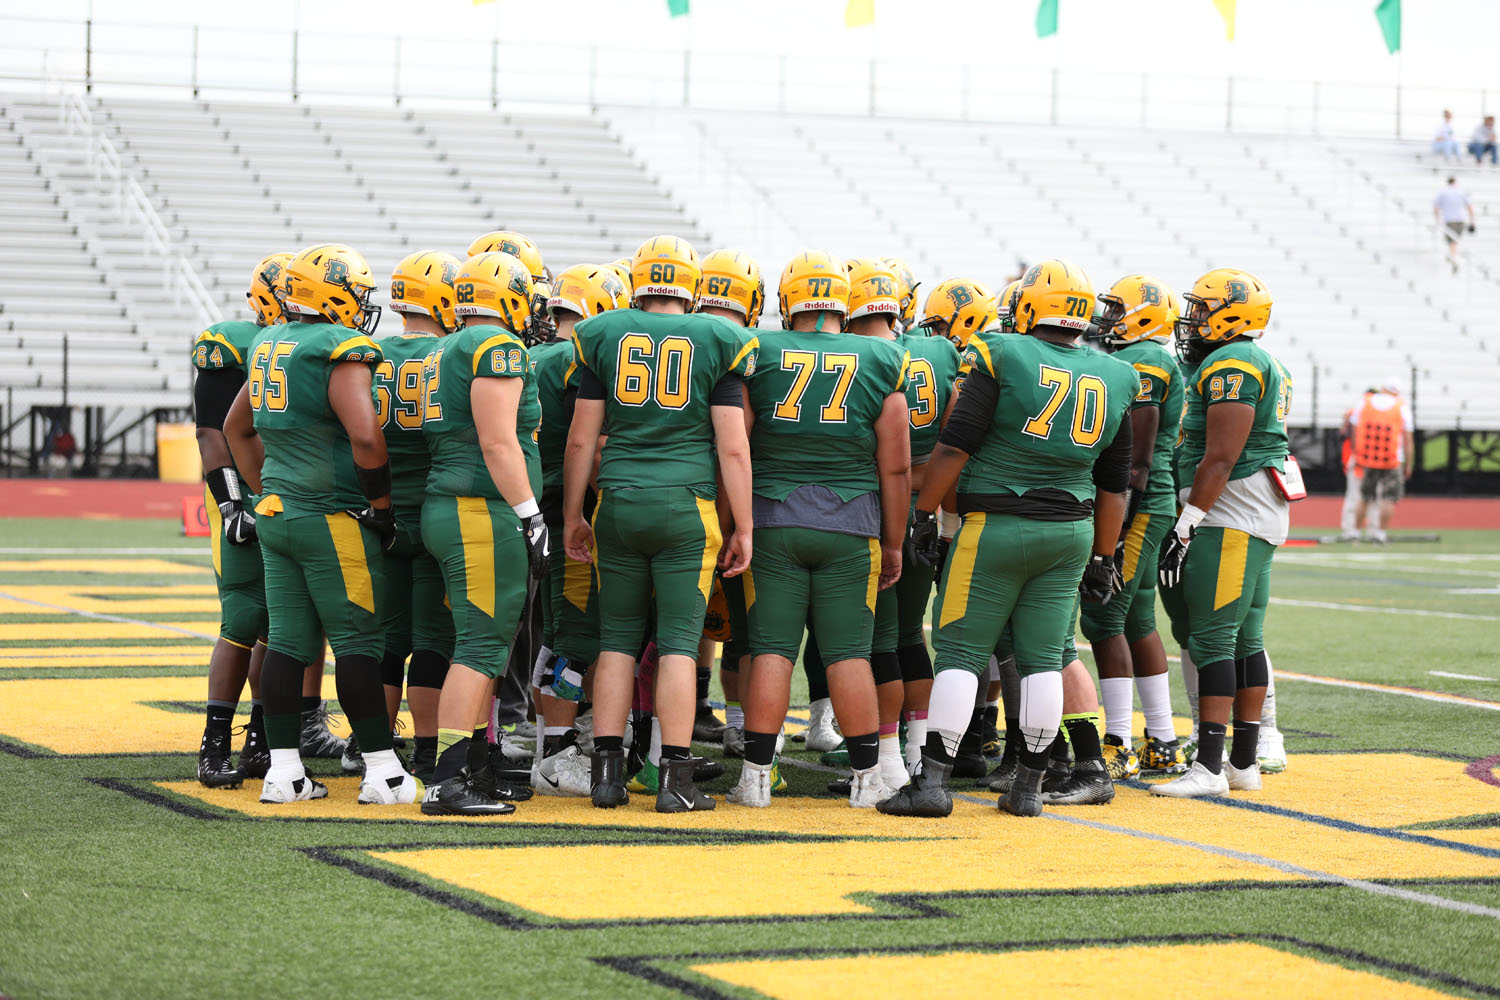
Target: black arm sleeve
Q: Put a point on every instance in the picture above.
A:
(570, 397)
(589, 386)
(1112, 467)
(974, 412)
(214, 393)
(727, 391)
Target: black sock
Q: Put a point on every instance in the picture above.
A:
(969, 745)
(760, 748)
(1037, 760)
(1246, 738)
(362, 699)
(427, 744)
(1084, 736)
(479, 749)
(606, 744)
(257, 716)
(705, 674)
(558, 743)
(1211, 746)
(864, 750)
(453, 761)
(935, 747)
(674, 753)
(1013, 738)
(220, 718)
(280, 689)
(991, 716)
(310, 703)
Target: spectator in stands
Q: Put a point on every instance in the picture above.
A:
(1384, 451)
(1450, 207)
(1443, 142)
(1483, 140)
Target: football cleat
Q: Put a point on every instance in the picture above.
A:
(395, 789)
(214, 767)
(837, 757)
(1189, 747)
(1247, 780)
(1119, 758)
(647, 779)
(351, 760)
(999, 780)
(1198, 782)
(493, 781)
(584, 726)
(706, 769)
(516, 747)
(868, 789)
(1089, 785)
(991, 742)
(678, 792)
(754, 787)
(734, 741)
(255, 756)
(1025, 795)
(607, 779)
(1058, 771)
(423, 762)
(1162, 756)
(821, 733)
(456, 797)
(706, 725)
(925, 795)
(317, 740)
(778, 783)
(1271, 750)
(293, 790)
(969, 762)
(564, 773)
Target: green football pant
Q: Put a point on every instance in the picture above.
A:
(1006, 647)
(664, 541)
(478, 546)
(1228, 578)
(1132, 612)
(324, 576)
(1004, 568)
(240, 576)
(570, 624)
(416, 616)
(821, 579)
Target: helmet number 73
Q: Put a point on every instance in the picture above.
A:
(1088, 406)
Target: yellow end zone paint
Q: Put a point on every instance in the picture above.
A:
(1136, 970)
(93, 631)
(142, 567)
(105, 656)
(186, 598)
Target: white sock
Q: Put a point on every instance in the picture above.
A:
(891, 764)
(382, 764)
(1268, 710)
(539, 678)
(654, 754)
(952, 705)
(1115, 693)
(1156, 705)
(286, 765)
(916, 739)
(1190, 682)
(495, 716)
(734, 715)
(1041, 708)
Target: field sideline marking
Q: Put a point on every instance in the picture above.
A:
(1448, 699)
(1460, 677)
(100, 616)
(1375, 888)
(1369, 608)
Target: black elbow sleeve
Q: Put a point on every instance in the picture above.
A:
(972, 413)
(727, 391)
(1112, 467)
(589, 386)
(213, 395)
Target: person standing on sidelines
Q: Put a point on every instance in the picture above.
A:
(1384, 452)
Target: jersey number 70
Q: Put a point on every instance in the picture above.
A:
(1088, 406)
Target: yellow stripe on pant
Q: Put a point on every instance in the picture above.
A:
(1232, 552)
(713, 538)
(872, 588)
(215, 529)
(478, 536)
(349, 543)
(960, 569)
(1134, 539)
(576, 582)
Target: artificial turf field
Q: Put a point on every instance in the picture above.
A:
(1370, 868)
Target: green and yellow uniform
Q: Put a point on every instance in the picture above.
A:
(416, 616)
(655, 526)
(1026, 496)
(1174, 599)
(1227, 575)
(1132, 612)
(324, 573)
(570, 611)
(817, 397)
(467, 525)
(220, 352)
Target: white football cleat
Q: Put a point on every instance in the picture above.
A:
(292, 790)
(515, 748)
(734, 741)
(1247, 780)
(584, 725)
(1270, 750)
(754, 788)
(867, 789)
(1198, 782)
(390, 790)
(565, 773)
(821, 734)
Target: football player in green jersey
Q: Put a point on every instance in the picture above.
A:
(305, 435)
(417, 621)
(481, 520)
(667, 385)
(570, 621)
(1038, 449)
(1137, 321)
(832, 480)
(219, 355)
(1234, 455)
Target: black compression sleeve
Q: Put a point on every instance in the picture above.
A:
(727, 391)
(589, 386)
(973, 413)
(374, 483)
(224, 484)
(1112, 467)
(570, 397)
(214, 393)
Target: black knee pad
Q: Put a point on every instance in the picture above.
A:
(1252, 671)
(916, 663)
(428, 669)
(886, 667)
(1217, 680)
(393, 670)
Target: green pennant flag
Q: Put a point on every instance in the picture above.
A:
(1046, 18)
(1388, 13)
(677, 8)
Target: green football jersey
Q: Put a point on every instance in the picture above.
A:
(309, 463)
(225, 345)
(1058, 408)
(816, 398)
(929, 385)
(458, 468)
(1189, 372)
(398, 406)
(556, 373)
(659, 371)
(1160, 386)
(1240, 372)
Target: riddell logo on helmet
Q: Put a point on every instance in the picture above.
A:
(661, 290)
(882, 306)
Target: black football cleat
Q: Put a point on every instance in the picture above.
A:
(489, 782)
(255, 755)
(1004, 773)
(706, 726)
(705, 769)
(678, 793)
(841, 786)
(1090, 785)
(1025, 795)
(969, 762)
(457, 797)
(607, 779)
(215, 769)
(317, 739)
(926, 794)
(423, 763)
(1059, 770)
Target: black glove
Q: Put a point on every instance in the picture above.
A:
(1173, 557)
(1471, 227)
(239, 524)
(538, 545)
(922, 538)
(944, 544)
(381, 520)
(1101, 579)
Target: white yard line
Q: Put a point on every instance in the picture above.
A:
(1461, 677)
(1373, 609)
(119, 619)
(1446, 699)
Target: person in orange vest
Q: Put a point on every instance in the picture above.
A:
(1383, 452)
(1352, 516)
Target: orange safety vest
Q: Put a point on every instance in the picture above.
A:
(1378, 437)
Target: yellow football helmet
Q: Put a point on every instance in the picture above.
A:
(666, 265)
(731, 280)
(1137, 307)
(621, 268)
(963, 306)
(906, 290)
(873, 289)
(265, 289)
(1054, 293)
(422, 284)
(494, 285)
(332, 281)
(1225, 303)
(813, 281)
(516, 245)
(1005, 312)
(586, 289)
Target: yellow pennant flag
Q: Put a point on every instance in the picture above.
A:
(481, 3)
(1226, 11)
(858, 13)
